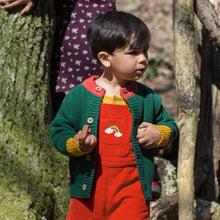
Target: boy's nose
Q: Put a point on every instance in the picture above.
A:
(143, 58)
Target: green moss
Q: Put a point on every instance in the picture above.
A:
(33, 174)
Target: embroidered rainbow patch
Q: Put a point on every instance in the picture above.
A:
(113, 129)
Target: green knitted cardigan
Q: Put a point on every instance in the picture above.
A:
(82, 105)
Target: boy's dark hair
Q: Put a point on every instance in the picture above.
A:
(115, 29)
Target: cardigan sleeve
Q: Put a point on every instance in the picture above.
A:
(163, 120)
(73, 148)
(166, 133)
(62, 127)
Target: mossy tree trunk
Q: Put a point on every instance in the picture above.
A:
(31, 172)
(187, 107)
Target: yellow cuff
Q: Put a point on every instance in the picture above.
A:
(73, 148)
(166, 133)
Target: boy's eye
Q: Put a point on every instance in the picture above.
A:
(136, 52)
(133, 52)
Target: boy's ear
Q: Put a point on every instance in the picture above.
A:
(104, 58)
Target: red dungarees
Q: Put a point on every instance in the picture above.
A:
(117, 192)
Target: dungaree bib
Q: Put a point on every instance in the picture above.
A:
(117, 192)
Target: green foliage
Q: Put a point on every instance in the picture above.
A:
(155, 65)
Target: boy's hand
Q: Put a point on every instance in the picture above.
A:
(85, 141)
(13, 3)
(148, 135)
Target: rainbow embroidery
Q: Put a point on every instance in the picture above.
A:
(113, 129)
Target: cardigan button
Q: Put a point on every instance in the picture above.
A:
(98, 89)
(84, 187)
(90, 120)
(88, 157)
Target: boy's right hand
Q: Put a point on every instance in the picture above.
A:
(85, 141)
(13, 3)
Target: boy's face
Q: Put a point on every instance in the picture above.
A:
(129, 64)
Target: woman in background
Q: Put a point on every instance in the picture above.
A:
(72, 61)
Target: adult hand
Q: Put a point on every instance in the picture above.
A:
(8, 4)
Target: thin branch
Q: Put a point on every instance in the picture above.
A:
(209, 18)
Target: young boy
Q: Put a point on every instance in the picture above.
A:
(110, 125)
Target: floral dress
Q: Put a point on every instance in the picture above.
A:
(72, 61)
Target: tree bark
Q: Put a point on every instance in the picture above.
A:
(165, 208)
(206, 210)
(30, 169)
(186, 100)
(167, 175)
(208, 138)
(209, 18)
(208, 156)
(167, 205)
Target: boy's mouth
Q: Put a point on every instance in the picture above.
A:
(140, 71)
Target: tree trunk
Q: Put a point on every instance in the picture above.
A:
(208, 155)
(30, 169)
(167, 175)
(165, 208)
(209, 18)
(186, 100)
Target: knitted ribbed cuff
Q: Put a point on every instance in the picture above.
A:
(73, 148)
(166, 133)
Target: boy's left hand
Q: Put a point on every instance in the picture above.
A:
(148, 135)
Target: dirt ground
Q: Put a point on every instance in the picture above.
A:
(157, 15)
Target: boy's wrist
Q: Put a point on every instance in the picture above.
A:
(73, 148)
(166, 133)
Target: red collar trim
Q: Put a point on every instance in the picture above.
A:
(91, 85)
(129, 90)
(126, 92)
